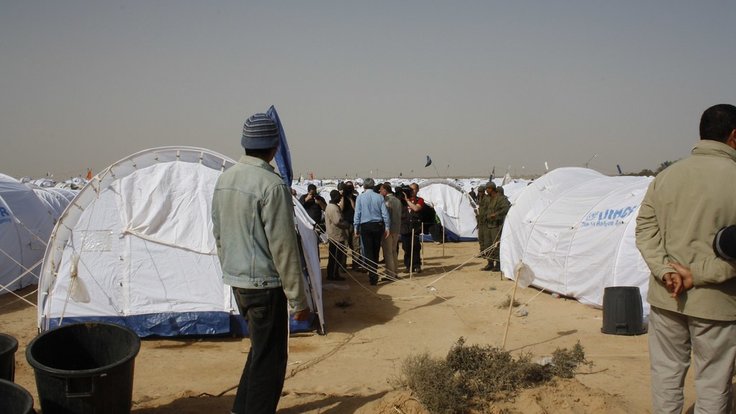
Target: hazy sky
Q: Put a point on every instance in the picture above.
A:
(364, 86)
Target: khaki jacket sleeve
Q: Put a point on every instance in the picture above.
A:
(277, 214)
(649, 238)
(712, 271)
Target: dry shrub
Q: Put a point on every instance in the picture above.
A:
(565, 362)
(472, 376)
(434, 384)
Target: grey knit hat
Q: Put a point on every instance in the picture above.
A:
(260, 132)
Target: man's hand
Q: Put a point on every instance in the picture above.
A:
(302, 315)
(685, 276)
(673, 283)
(385, 234)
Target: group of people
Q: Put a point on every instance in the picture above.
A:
(684, 231)
(493, 206)
(376, 220)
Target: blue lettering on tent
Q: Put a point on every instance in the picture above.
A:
(608, 217)
(4, 215)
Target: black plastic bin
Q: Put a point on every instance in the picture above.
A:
(8, 346)
(622, 311)
(15, 399)
(85, 368)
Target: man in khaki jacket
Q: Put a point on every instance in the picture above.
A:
(692, 292)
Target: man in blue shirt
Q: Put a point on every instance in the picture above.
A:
(372, 223)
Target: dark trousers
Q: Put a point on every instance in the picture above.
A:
(406, 241)
(370, 239)
(337, 257)
(268, 326)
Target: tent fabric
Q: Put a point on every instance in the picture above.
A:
(573, 229)
(55, 199)
(25, 226)
(454, 207)
(136, 248)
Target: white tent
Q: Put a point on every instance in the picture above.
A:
(55, 199)
(574, 229)
(136, 248)
(25, 225)
(453, 206)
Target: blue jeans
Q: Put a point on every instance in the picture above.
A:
(262, 380)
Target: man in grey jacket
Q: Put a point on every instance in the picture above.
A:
(253, 224)
(692, 291)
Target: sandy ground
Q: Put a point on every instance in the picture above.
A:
(354, 367)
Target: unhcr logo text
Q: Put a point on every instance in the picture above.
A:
(608, 217)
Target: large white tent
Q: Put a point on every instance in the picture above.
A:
(25, 225)
(454, 207)
(136, 248)
(573, 229)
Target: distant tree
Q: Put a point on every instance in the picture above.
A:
(664, 165)
(645, 173)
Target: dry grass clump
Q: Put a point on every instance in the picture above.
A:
(472, 376)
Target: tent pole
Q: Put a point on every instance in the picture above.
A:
(411, 255)
(443, 241)
(511, 306)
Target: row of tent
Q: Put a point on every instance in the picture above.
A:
(135, 245)
(28, 214)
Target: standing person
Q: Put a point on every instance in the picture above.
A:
(314, 204)
(692, 292)
(253, 225)
(390, 244)
(337, 233)
(484, 234)
(411, 242)
(481, 193)
(497, 206)
(349, 196)
(372, 224)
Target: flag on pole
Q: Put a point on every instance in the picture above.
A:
(619, 169)
(283, 156)
(429, 162)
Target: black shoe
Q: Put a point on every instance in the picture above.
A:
(373, 280)
(487, 268)
(417, 270)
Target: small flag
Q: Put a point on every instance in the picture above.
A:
(619, 169)
(429, 162)
(283, 156)
(546, 167)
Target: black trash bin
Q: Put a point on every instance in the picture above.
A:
(8, 346)
(85, 368)
(14, 399)
(622, 311)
